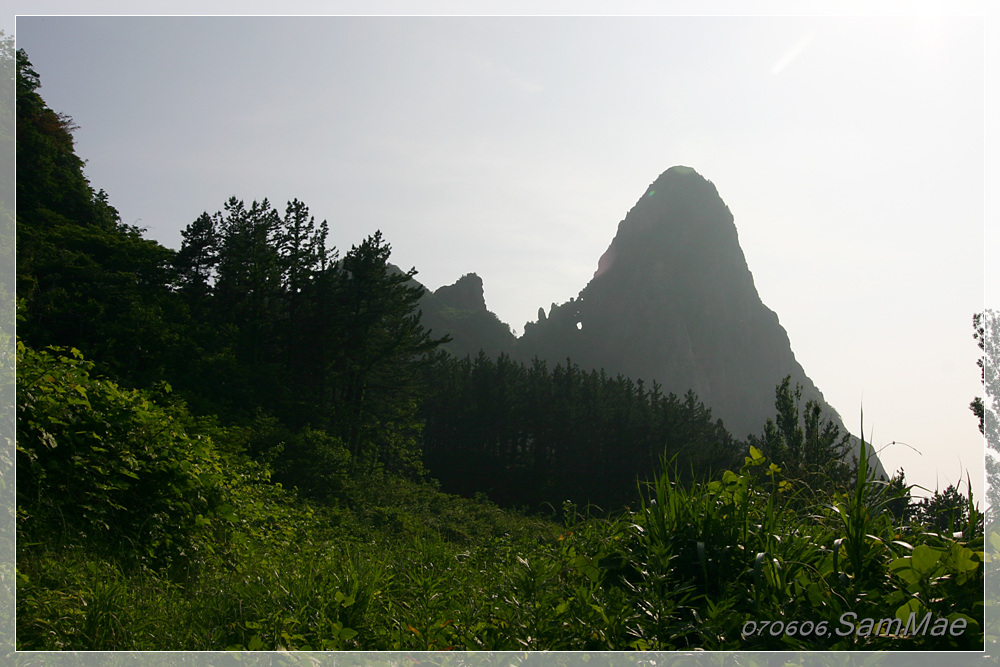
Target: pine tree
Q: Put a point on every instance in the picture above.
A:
(806, 447)
(302, 258)
(248, 286)
(199, 255)
(381, 347)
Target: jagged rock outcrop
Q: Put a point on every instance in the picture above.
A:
(460, 311)
(673, 301)
(465, 294)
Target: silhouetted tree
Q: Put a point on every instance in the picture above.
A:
(381, 346)
(945, 511)
(199, 255)
(806, 447)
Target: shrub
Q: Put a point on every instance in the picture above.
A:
(103, 464)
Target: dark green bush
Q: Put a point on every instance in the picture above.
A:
(105, 465)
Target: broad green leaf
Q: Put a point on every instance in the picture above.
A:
(912, 606)
(924, 559)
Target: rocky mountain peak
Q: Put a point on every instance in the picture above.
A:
(459, 311)
(465, 294)
(673, 301)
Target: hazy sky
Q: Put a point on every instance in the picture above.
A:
(850, 150)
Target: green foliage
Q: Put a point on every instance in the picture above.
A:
(100, 290)
(401, 566)
(740, 556)
(943, 580)
(99, 463)
(315, 463)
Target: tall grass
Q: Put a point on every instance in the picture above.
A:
(744, 550)
(696, 565)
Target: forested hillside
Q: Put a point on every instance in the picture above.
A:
(257, 317)
(255, 442)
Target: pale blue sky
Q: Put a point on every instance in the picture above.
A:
(849, 149)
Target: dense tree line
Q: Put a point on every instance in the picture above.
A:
(530, 434)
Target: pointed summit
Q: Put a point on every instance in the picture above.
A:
(673, 301)
(681, 218)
